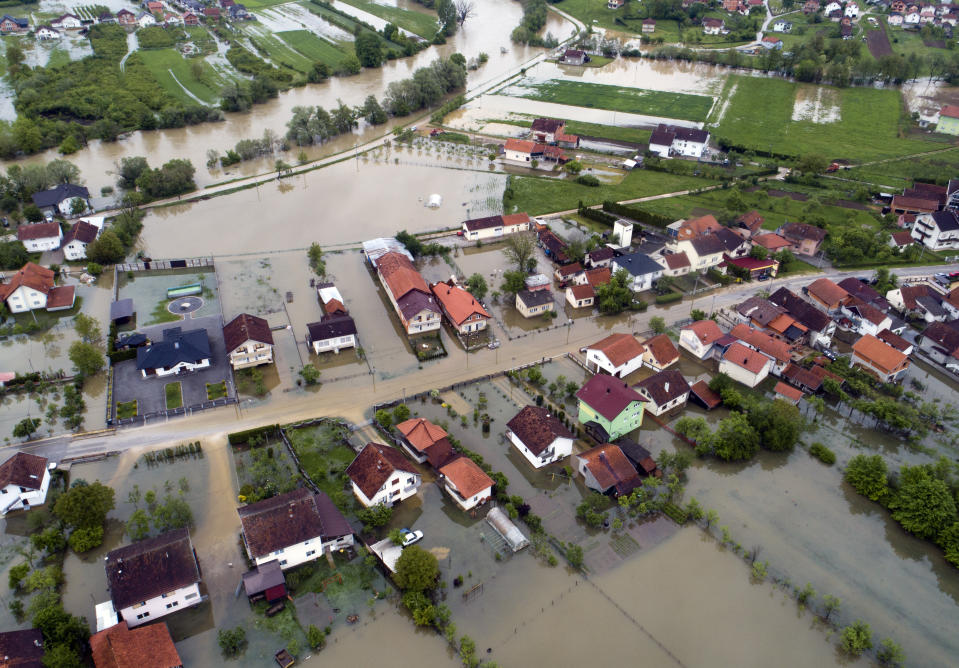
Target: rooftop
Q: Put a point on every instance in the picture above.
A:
(707, 331)
(619, 348)
(290, 518)
(638, 264)
(123, 647)
(611, 468)
(372, 468)
(827, 292)
(246, 327)
(608, 396)
(535, 297)
(466, 476)
(537, 428)
(176, 347)
(662, 349)
(664, 386)
(744, 357)
(38, 231)
(23, 470)
(151, 567)
(879, 354)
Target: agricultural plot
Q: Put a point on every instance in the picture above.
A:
(616, 98)
(267, 45)
(312, 47)
(901, 173)
(418, 23)
(178, 76)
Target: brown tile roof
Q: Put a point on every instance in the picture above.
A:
(468, 478)
(421, 433)
(890, 338)
(706, 331)
(619, 348)
(400, 275)
(458, 304)
(38, 231)
(821, 373)
(676, 260)
(802, 232)
(802, 377)
(827, 292)
(744, 357)
(903, 238)
(606, 395)
(289, 519)
(695, 227)
(762, 342)
(866, 311)
(537, 429)
(515, 219)
(81, 231)
(374, 466)
(920, 204)
(752, 221)
(23, 470)
(601, 254)
(570, 269)
(788, 391)
(582, 292)
(151, 567)
(122, 647)
(709, 398)
(30, 275)
(61, 297)
(771, 241)
(910, 293)
(21, 649)
(880, 355)
(599, 276)
(662, 350)
(760, 310)
(611, 468)
(664, 386)
(245, 327)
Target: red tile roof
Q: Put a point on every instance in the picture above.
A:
(744, 357)
(515, 219)
(581, 292)
(676, 260)
(827, 292)
(949, 110)
(599, 276)
(467, 477)
(762, 342)
(32, 276)
(788, 391)
(752, 221)
(619, 348)
(458, 304)
(61, 297)
(662, 350)
(38, 231)
(771, 241)
(524, 146)
(903, 238)
(705, 395)
(878, 354)
(400, 275)
(428, 439)
(606, 395)
(537, 428)
(611, 468)
(246, 327)
(374, 466)
(122, 647)
(23, 470)
(706, 331)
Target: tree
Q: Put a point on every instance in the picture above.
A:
(63, 171)
(87, 328)
(373, 111)
(86, 358)
(812, 164)
(315, 637)
(476, 285)
(513, 282)
(26, 427)
(924, 504)
(310, 374)
(446, 13)
(758, 252)
(32, 213)
(520, 248)
(735, 439)
(175, 177)
(320, 72)
(85, 539)
(51, 540)
(70, 145)
(401, 413)
(831, 604)
(464, 10)
(375, 516)
(16, 575)
(85, 505)
(129, 170)
(138, 526)
(317, 264)
(867, 475)
(14, 54)
(232, 642)
(856, 638)
(949, 541)
(397, 537)
(657, 324)
(368, 49)
(778, 423)
(890, 653)
(416, 569)
(614, 296)
(576, 250)
(173, 513)
(107, 249)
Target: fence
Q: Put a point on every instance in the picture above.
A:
(310, 423)
(157, 265)
(174, 412)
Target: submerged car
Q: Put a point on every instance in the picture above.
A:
(410, 537)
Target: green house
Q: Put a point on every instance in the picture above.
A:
(609, 403)
(948, 120)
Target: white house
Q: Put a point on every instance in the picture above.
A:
(745, 365)
(40, 237)
(831, 7)
(704, 252)
(938, 230)
(607, 469)
(618, 355)
(643, 270)
(153, 578)
(461, 309)
(522, 151)
(865, 318)
(176, 352)
(782, 26)
(688, 142)
(78, 238)
(911, 18)
(32, 288)
(408, 292)
(492, 227)
(67, 22)
(382, 475)
(466, 483)
(713, 26)
(45, 33)
(294, 528)
(664, 391)
(539, 436)
(580, 296)
(145, 19)
(851, 10)
(698, 338)
(24, 480)
(249, 341)
(331, 333)
(62, 199)
(894, 19)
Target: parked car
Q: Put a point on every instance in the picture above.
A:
(831, 354)
(410, 537)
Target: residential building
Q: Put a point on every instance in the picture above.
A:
(804, 239)
(107, 17)
(531, 303)
(176, 352)
(249, 341)
(749, 224)
(622, 234)
(735, 245)
(752, 267)
(22, 649)
(775, 349)
(659, 352)
(552, 245)
(880, 358)
(938, 230)
(615, 4)
(32, 288)
(948, 120)
(594, 277)
(810, 7)
(664, 391)
(607, 470)
(40, 237)
(600, 257)
(24, 481)
(890, 338)
(772, 43)
(145, 19)
(12, 24)
(611, 404)
(153, 578)
(900, 241)
(580, 296)
(686, 142)
(864, 292)
(758, 312)
(466, 483)
(787, 393)
(894, 19)
(826, 295)
(122, 647)
(914, 204)
(493, 227)
(408, 293)
(819, 326)
(642, 269)
(782, 25)
(914, 300)
(382, 475)
(211, 14)
(675, 264)
(713, 26)
(704, 252)
(332, 333)
(461, 309)
(191, 19)
(771, 242)
(551, 131)
(539, 436)
(574, 57)
(864, 318)
(46, 33)
(78, 237)
(691, 228)
(425, 441)
(745, 365)
(567, 272)
(126, 18)
(330, 299)
(698, 338)
(62, 199)
(523, 151)
(618, 355)
(67, 22)
(640, 458)
(649, 25)
(295, 527)
(940, 341)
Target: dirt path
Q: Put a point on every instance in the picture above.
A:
(187, 90)
(132, 45)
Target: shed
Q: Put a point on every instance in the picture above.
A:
(511, 533)
(121, 311)
(705, 396)
(106, 615)
(388, 552)
(266, 580)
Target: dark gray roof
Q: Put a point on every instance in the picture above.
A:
(932, 305)
(690, 134)
(535, 297)
(266, 575)
(151, 567)
(708, 244)
(661, 137)
(638, 264)
(56, 195)
(415, 301)
(664, 386)
(730, 240)
(807, 314)
(331, 327)
(122, 308)
(946, 220)
(177, 346)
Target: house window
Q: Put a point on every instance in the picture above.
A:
(142, 615)
(283, 563)
(311, 553)
(172, 605)
(280, 551)
(190, 595)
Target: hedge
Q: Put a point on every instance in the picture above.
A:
(241, 437)
(597, 215)
(669, 298)
(122, 355)
(641, 215)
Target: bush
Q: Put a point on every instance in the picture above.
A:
(232, 641)
(669, 298)
(822, 453)
(240, 437)
(867, 475)
(856, 638)
(587, 180)
(85, 539)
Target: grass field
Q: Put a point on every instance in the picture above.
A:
(313, 47)
(637, 135)
(617, 98)
(759, 117)
(344, 21)
(215, 390)
(58, 56)
(277, 50)
(161, 61)
(901, 173)
(418, 23)
(174, 395)
(126, 409)
(538, 195)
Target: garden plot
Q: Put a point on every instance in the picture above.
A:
(148, 289)
(292, 16)
(814, 103)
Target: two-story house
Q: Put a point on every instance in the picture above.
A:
(24, 481)
(294, 528)
(618, 355)
(78, 237)
(382, 475)
(704, 252)
(745, 365)
(63, 199)
(805, 239)
(493, 227)
(865, 318)
(466, 483)
(607, 470)
(539, 436)
(698, 338)
(659, 352)
(408, 293)
(938, 230)
(882, 359)
(119, 646)
(826, 295)
(611, 405)
(40, 237)
(464, 313)
(249, 341)
(819, 326)
(32, 288)
(664, 391)
(642, 269)
(425, 441)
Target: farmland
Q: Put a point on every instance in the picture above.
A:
(163, 62)
(418, 23)
(312, 47)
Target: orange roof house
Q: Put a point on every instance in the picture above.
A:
(122, 647)
(744, 365)
(695, 227)
(425, 441)
(618, 355)
(880, 358)
(826, 294)
(20, 291)
(771, 242)
(788, 392)
(764, 343)
(660, 352)
(605, 468)
(460, 307)
(466, 483)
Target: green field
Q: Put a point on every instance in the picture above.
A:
(595, 13)
(313, 47)
(418, 23)
(58, 56)
(896, 174)
(616, 98)
(537, 195)
(277, 50)
(759, 117)
(636, 135)
(161, 61)
(174, 395)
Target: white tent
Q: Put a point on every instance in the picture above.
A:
(434, 201)
(504, 526)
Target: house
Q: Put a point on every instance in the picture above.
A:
(698, 338)
(736, 246)
(249, 341)
(552, 245)
(238, 12)
(382, 475)
(749, 224)
(331, 301)
(771, 242)
(67, 22)
(539, 436)
(522, 151)
(171, 20)
(62, 199)
(810, 7)
(713, 26)
(851, 11)
(32, 288)
(126, 18)
(894, 19)
(153, 6)
(941, 342)
(122, 647)
(693, 227)
(900, 241)
(408, 293)
(906, 299)
(640, 458)
(804, 379)
(689, 142)
(898, 6)
(531, 303)
(948, 120)
(611, 405)
(333, 332)
(615, 4)
(775, 349)
(40, 237)
(78, 237)
(24, 481)
(266, 581)
(145, 19)
(594, 277)
(466, 483)
(754, 268)
(661, 141)
(914, 204)
(107, 18)
(649, 25)
(804, 239)
(552, 131)
(675, 264)
(660, 352)
(537, 282)
(211, 13)
(890, 338)
(642, 269)
(664, 391)
(45, 33)
(938, 230)
(704, 252)
(820, 327)
(600, 257)
(11, 24)
(758, 312)
(574, 57)
(153, 578)
(295, 527)
(461, 309)
(191, 19)
(22, 649)
(862, 290)
(580, 296)
(826, 294)
(782, 26)
(880, 358)
(425, 441)
(618, 355)
(745, 365)
(567, 272)
(176, 352)
(772, 43)
(865, 318)
(787, 393)
(607, 470)
(492, 227)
